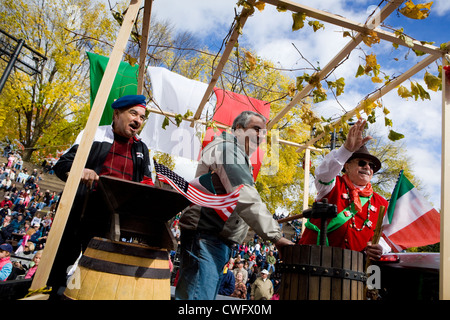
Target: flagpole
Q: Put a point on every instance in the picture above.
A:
(375, 238)
(391, 205)
(444, 272)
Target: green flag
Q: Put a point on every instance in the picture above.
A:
(125, 82)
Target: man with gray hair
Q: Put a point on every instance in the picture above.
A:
(206, 234)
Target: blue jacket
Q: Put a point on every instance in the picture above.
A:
(227, 284)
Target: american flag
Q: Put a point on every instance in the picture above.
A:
(223, 204)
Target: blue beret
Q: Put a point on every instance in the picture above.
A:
(128, 101)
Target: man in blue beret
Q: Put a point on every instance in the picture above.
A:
(116, 151)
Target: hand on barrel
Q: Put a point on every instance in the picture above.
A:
(374, 251)
(282, 242)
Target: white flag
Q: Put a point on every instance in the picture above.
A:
(177, 94)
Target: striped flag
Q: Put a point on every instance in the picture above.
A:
(410, 220)
(223, 204)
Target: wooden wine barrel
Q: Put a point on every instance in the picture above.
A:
(110, 270)
(311, 272)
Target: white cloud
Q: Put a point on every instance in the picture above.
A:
(197, 16)
(440, 7)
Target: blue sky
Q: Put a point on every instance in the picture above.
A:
(269, 34)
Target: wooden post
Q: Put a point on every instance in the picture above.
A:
(306, 184)
(223, 60)
(144, 44)
(67, 198)
(444, 274)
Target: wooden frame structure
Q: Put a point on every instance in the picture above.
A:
(433, 52)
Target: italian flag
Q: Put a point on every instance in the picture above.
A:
(410, 220)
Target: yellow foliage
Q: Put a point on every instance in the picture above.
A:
(260, 5)
(370, 38)
(419, 11)
(371, 61)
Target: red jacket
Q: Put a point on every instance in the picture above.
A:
(347, 236)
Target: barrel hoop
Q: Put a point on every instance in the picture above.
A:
(322, 271)
(123, 269)
(127, 249)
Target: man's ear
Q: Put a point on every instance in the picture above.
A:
(345, 167)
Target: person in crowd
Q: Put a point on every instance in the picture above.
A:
(271, 260)
(239, 267)
(6, 200)
(25, 251)
(357, 204)
(243, 250)
(6, 150)
(262, 288)
(5, 211)
(240, 289)
(35, 263)
(11, 158)
(18, 223)
(6, 183)
(6, 229)
(5, 261)
(204, 233)
(117, 151)
(227, 282)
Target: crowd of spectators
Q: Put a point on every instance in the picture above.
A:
(26, 215)
(250, 274)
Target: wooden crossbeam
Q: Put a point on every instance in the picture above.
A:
(226, 127)
(385, 12)
(223, 60)
(379, 94)
(68, 196)
(359, 27)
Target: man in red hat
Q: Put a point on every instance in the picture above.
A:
(116, 151)
(357, 204)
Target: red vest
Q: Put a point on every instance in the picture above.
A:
(347, 236)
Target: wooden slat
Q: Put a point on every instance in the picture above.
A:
(286, 255)
(144, 44)
(361, 285)
(67, 198)
(314, 281)
(346, 264)
(325, 282)
(336, 283)
(223, 60)
(303, 280)
(358, 27)
(294, 288)
(354, 283)
(379, 93)
(444, 274)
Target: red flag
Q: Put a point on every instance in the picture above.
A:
(229, 105)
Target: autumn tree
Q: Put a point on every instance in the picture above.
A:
(47, 110)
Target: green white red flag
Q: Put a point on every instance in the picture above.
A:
(410, 220)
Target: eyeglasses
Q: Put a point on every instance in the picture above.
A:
(259, 130)
(363, 163)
